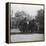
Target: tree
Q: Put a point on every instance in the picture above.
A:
(19, 15)
(40, 19)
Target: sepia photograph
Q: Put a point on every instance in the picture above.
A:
(26, 22)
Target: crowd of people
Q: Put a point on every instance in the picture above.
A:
(28, 26)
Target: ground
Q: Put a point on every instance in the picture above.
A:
(26, 37)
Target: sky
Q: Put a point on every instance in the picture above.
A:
(29, 9)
